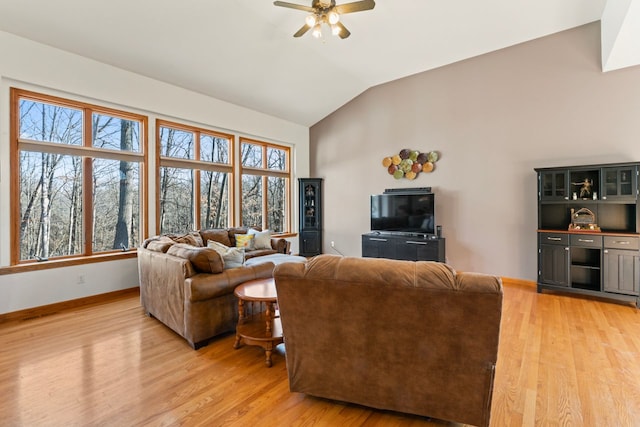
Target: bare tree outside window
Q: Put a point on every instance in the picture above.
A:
(55, 158)
(81, 175)
(195, 176)
(265, 185)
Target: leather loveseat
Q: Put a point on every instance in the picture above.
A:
(185, 284)
(412, 337)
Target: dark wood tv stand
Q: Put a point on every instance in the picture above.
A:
(403, 247)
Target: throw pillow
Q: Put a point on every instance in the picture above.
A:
(218, 234)
(232, 257)
(204, 260)
(244, 241)
(262, 239)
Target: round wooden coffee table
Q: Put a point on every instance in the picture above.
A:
(259, 326)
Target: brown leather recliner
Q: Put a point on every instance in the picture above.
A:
(412, 337)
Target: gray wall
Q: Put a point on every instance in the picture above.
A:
(493, 118)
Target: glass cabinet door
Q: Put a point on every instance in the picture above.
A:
(619, 183)
(553, 185)
(310, 206)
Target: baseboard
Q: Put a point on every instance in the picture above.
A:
(519, 282)
(46, 310)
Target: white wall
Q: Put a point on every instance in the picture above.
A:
(40, 68)
(493, 118)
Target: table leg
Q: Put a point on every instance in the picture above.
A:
(267, 352)
(236, 344)
(268, 317)
(240, 311)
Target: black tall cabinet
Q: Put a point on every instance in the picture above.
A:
(310, 228)
(603, 260)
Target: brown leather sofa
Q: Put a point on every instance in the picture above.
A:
(412, 337)
(184, 284)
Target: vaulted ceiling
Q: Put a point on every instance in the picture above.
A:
(243, 52)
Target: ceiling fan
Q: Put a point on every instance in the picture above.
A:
(327, 12)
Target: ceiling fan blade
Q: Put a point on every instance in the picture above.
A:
(356, 6)
(344, 33)
(302, 30)
(294, 6)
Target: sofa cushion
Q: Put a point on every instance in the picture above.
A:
(232, 257)
(193, 238)
(204, 260)
(158, 243)
(220, 235)
(258, 253)
(262, 239)
(244, 241)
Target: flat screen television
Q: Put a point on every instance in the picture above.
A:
(403, 212)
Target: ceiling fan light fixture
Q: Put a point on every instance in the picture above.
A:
(326, 12)
(333, 17)
(310, 20)
(317, 31)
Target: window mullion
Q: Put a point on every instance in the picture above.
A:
(87, 185)
(265, 204)
(196, 182)
(52, 148)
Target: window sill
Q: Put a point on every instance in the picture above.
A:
(66, 262)
(284, 235)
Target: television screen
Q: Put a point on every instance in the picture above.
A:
(403, 212)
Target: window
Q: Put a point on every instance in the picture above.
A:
(77, 178)
(195, 178)
(265, 184)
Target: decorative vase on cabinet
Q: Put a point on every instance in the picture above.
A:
(310, 221)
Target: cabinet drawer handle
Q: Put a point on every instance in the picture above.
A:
(585, 240)
(622, 242)
(554, 238)
(377, 239)
(415, 243)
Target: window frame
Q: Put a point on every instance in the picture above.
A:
(196, 165)
(265, 173)
(87, 153)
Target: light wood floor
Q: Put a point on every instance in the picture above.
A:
(564, 360)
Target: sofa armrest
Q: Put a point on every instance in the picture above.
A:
(162, 290)
(280, 245)
(206, 286)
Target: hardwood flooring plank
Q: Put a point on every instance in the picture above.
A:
(563, 360)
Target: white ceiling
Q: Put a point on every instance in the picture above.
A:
(243, 52)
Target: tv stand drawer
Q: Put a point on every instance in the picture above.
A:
(428, 248)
